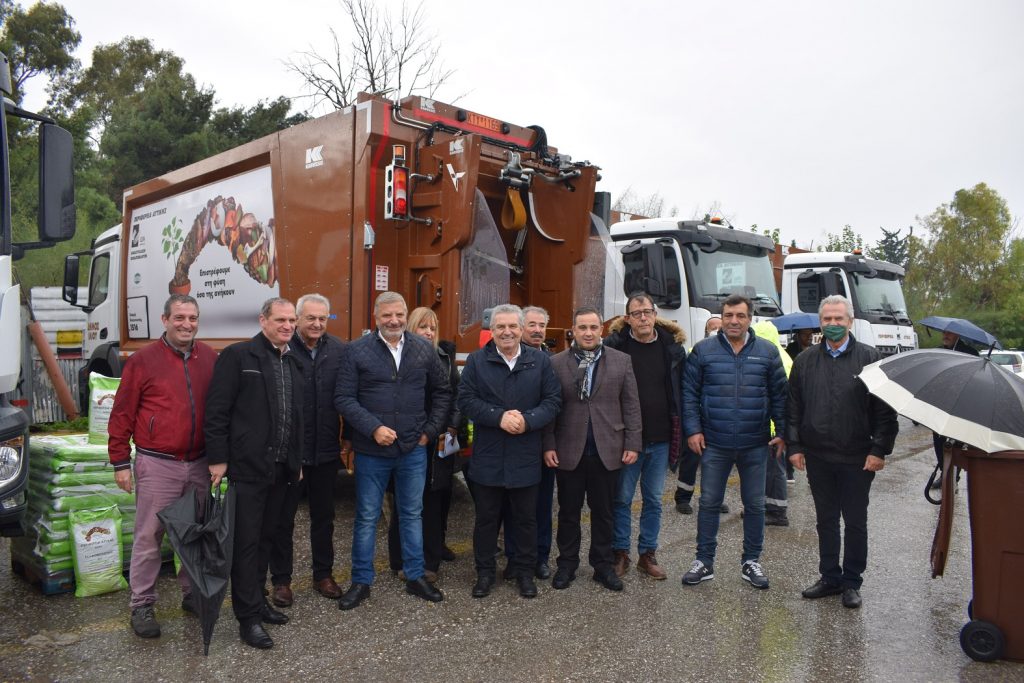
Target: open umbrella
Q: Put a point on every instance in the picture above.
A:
(202, 536)
(963, 397)
(796, 321)
(965, 328)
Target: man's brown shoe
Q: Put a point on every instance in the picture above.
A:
(328, 588)
(281, 596)
(621, 563)
(648, 564)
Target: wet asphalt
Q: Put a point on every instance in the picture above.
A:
(721, 630)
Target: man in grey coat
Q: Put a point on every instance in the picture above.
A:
(598, 430)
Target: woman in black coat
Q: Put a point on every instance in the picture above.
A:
(437, 494)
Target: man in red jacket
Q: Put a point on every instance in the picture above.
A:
(160, 405)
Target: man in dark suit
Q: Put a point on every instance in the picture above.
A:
(254, 427)
(597, 431)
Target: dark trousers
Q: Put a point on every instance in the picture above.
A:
(841, 489)
(592, 481)
(938, 441)
(436, 505)
(545, 508)
(258, 511)
(318, 484)
(686, 480)
(776, 494)
(520, 524)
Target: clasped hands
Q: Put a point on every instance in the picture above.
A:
(513, 422)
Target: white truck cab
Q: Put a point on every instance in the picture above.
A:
(101, 344)
(875, 287)
(689, 268)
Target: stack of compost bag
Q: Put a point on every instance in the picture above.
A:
(67, 473)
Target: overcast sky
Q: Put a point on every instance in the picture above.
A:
(804, 116)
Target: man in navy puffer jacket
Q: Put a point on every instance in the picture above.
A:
(734, 386)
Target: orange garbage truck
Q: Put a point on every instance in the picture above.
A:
(455, 210)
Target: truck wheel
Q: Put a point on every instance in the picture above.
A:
(982, 641)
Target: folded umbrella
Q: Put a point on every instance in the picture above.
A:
(964, 328)
(203, 538)
(963, 397)
(796, 321)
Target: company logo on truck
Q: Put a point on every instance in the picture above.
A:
(314, 157)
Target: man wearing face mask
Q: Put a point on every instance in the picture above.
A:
(840, 434)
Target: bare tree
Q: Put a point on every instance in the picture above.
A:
(649, 206)
(387, 54)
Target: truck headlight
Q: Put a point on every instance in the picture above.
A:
(10, 463)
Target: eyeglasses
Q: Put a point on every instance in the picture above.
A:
(640, 313)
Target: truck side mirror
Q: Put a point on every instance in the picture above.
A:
(70, 293)
(56, 185)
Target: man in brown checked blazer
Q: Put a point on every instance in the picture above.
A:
(597, 431)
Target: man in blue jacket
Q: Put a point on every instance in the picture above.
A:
(733, 387)
(385, 381)
(510, 392)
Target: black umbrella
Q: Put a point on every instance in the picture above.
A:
(964, 397)
(965, 329)
(202, 536)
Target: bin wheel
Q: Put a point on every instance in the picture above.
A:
(982, 641)
(970, 608)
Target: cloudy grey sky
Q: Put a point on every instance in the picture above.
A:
(802, 115)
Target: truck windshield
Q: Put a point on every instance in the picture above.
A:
(732, 269)
(880, 294)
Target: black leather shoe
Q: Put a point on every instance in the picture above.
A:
(543, 572)
(821, 590)
(254, 635)
(483, 585)
(422, 588)
(527, 588)
(563, 577)
(851, 598)
(355, 594)
(269, 615)
(609, 580)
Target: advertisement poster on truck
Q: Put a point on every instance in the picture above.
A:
(215, 243)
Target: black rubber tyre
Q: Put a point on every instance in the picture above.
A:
(982, 641)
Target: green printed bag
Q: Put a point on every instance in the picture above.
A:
(101, 400)
(97, 551)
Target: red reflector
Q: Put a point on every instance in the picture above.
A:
(20, 402)
(401, 206)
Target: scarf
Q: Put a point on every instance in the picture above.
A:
(585, 370)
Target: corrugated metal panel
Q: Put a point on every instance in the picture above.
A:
(54, 314)
(45, 406)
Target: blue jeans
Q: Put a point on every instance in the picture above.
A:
(372, 475)
(650, 468)
(715, 466)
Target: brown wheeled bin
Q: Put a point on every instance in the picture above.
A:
(995, 497)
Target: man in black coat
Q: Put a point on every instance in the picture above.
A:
(385, 383)
(254, 427)
(320, 353)
(510, 393)
(841, 434)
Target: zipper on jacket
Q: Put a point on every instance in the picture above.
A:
(192, 403)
